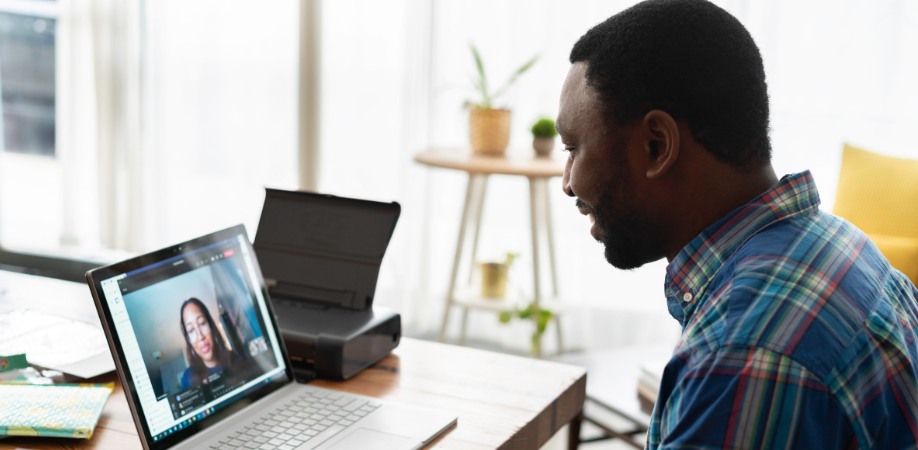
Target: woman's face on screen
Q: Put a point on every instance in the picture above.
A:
(199, 333)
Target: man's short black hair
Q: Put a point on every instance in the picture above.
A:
(691, 59)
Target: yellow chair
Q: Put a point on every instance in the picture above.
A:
(879, 195)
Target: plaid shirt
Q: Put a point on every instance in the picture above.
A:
(797, 334)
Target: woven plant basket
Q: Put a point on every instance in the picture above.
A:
(489, 130)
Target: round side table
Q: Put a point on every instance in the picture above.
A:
(479, 168)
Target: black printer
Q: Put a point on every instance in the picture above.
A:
(320, 257)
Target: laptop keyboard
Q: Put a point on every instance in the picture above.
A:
(303, 423)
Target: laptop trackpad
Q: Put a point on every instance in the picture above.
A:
(363, 439)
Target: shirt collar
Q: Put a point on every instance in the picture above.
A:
(690, 272)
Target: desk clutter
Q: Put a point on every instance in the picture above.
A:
(218, 272)
(31, 406)
(50, 341)
(54, 322)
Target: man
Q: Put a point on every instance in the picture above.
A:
(797, 333)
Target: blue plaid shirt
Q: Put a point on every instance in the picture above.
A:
(797, 334)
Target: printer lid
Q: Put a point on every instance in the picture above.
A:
(323, 249)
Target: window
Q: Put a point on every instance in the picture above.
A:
(31, 173)
(27, 60)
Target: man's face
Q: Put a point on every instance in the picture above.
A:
(597, 172)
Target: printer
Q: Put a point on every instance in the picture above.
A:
(320, 257)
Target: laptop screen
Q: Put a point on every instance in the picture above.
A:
(193, 333)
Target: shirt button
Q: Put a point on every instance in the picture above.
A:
(688, 297)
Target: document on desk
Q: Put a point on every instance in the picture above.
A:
(54, 322)
(49, 340)
(54, 342)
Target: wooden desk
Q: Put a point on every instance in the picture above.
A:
(502, 401)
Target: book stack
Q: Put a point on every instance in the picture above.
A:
(649, 383)
(31, 406)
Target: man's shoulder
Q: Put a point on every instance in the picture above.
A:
(817, 291)
(805, 287)
(810, 300)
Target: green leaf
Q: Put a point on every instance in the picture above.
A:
(525, 313)
(515, 75)
(542, 323)
(482, 84)
(505, 316)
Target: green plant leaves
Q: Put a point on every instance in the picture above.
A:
(542, 320)
(481, 84)
(524, 313)
(544, 127)
(539, 316)
(516, 75)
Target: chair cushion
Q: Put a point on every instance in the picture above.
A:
(878, 194)
(902, 253)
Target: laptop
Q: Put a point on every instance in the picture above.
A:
(198, 351)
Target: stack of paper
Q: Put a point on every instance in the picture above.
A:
(51, 341)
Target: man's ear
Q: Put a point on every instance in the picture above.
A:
(661, 142)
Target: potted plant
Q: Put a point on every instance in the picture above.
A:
(489, 127)
(543, 136)
(494, 277)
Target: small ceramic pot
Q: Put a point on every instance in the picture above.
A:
(494, 280)
(543, 145)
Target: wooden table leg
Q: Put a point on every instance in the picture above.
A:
(573, 432)
(549, 229)
(534, 216)
(545, 198)
(463, 325)
(479, 198)
(466, 211)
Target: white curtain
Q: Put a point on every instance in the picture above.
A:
(117, 45)
(99, 124)
(396, 74)
(221, 85)
(173, 117)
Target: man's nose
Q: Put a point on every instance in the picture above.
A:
(566, 180)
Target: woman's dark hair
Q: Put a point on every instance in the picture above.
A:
(225, 357)
(691, 59)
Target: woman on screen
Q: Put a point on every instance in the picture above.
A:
(206, 351)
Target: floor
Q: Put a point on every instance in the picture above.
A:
(559, 440)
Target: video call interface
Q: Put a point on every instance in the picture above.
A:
(199, 332)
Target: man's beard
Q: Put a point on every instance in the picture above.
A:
(622, 231)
